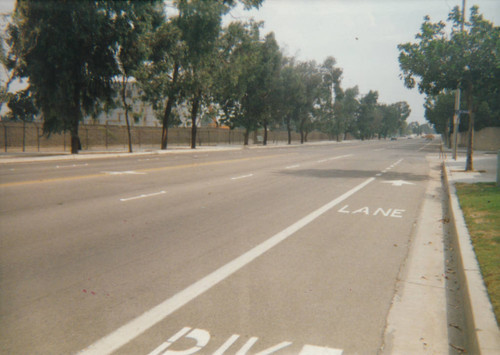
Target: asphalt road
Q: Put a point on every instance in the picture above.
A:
(289, 250)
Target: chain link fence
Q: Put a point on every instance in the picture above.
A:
(29, 137)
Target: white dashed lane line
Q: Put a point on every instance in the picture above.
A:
(241, 177)
(142, 196)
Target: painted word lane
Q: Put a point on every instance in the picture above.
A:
(373, 211)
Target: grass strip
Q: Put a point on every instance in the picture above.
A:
(480, 205)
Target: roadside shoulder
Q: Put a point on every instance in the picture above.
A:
(417, 320)
(484, 334)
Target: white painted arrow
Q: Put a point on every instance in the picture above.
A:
(398, 182)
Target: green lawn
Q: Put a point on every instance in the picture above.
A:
(480, 204)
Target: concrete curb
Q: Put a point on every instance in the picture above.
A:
(483, 335)
(49, 156)
(104, 155)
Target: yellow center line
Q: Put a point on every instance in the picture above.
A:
(105, 174)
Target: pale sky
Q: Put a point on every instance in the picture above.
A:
(362, 35)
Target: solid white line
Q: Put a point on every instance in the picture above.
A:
(241, 177)
(143, 196)
(292, 166)
(139, 325)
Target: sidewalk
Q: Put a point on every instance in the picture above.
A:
(485, 166)
(441, 304)
(483, 331)
(20, 157)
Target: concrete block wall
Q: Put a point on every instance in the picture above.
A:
(486, 139)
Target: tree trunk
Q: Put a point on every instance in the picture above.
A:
(246, 136)
(125, 106)
(75, 140)
(289, 130)
(264, 141)
(194, 112)
(469, 164)
(302, 132)
(168, 110)
(447, 140)
(166, 122)
(24, 135)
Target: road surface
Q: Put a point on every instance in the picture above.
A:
(286, 250)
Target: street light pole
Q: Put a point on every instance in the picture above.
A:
(456, 114)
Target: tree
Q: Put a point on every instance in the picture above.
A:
(466, 59)
(200, 24)
(414, 128)
(134, 23)
(331, 100)
(311, 78)
(237, 48)
(158, 78)
(292, 98)
(439, 111)
(263, 91)
(6, 64)
(350, 107)
(22, 108)
(69, 53)
(248, 88)
(393, 119)
(366, 115)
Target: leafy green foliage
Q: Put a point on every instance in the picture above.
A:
(22, 106)
(443, 60)
(69, 51)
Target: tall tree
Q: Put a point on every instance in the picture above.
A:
(292, 87)
(68, 50)
(331, 99)
(159, 77)
(350, 107)
(366, 115)
(393, 119)
(468, 59)
(200, 24)
(7, 66)
(134, 21)
(248, 80)
(238, 54)
(439, 111)
(263, 91)
(22, 108)
(311, 78)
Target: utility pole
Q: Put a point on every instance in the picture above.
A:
(456, 114)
